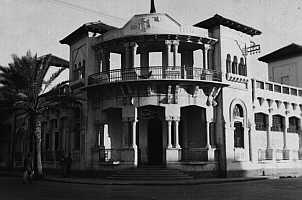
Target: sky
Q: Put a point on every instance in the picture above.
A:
(38, 25)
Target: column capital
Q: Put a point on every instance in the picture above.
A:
(175, 42)
(168, 42)
(206, 47)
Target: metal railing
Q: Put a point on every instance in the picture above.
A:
(279, 154)
(278, 88)
(115, 155)
(155, 73)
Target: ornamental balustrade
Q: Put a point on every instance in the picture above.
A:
(155, 73)
(279, 154)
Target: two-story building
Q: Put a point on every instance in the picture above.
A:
(161, 93)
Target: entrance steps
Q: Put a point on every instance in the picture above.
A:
(150, 173)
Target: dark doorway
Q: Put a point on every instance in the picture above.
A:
(155, 142)
(238, 135)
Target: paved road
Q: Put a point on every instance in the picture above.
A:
(13, 189)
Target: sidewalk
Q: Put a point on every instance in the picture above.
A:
(100, 181)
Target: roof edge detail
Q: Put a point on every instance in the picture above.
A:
(220, 20)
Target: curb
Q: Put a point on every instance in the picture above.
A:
(162, 182)
(188, 182)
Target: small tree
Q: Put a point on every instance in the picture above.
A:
(23, 82)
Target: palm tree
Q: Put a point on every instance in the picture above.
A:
(22, 85)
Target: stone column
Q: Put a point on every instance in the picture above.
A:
(169, 145)
(176, 134)
(205, 49)
(251, 142)
(210, 58)
(167, 54)
(133, 62)
(208, 135)
(269, 150)
(105, 55)
(285, 149)
(133, 142)
(211, 151)
(127, 56)
(175, 50)
(285, 132)
(144, 56)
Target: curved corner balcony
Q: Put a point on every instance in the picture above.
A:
(155, 73)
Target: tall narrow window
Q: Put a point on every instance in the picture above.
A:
(278, 123)
(242, 68)
(228, 63)
(293, 125)
(234, 65)
(238, 135)
(261, 121)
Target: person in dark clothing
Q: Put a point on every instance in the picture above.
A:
(28, 169)
(68, 162)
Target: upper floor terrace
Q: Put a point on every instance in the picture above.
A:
(153, 47)
(276, 97)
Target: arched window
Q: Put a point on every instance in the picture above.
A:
(278, 123)
(261, 121)
(238, 111)
(228, 63)
(242, 67)
(234, 65)
(293, 124)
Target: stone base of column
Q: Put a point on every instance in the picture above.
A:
(286, 154)
(130, 155)
(211, 154)
(269, 154)
(173, 154)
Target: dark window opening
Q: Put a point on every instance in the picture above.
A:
(238, 135)
(261, 121)
(293, 125)
(238, 111)
(228, 63)
(278, 123)
(234, 65)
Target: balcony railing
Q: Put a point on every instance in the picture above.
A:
(278, 88)
(155, 73)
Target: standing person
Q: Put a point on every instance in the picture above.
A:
(28, 169)
(68, 162)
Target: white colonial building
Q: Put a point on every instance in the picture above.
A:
(160, 93)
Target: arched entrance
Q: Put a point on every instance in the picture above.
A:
(155, 141)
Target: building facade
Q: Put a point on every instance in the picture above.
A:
(160, 93)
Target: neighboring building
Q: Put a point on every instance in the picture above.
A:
(284, 65)
(16, 140)
(160, 93)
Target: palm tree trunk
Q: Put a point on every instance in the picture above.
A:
(37, 132)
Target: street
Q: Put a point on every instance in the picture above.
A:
(13, 189)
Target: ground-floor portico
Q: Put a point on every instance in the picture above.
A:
(156, 135)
